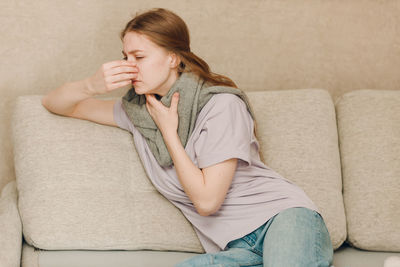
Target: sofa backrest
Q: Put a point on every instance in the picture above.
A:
(82, 186)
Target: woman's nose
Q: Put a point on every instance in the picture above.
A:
(132, 60)
(133, 63)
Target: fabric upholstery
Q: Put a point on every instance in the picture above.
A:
(82, 186)
(344, 257)
(369, 130)
(88, 178)
(30, 256)
(298, 137)
(10, 227)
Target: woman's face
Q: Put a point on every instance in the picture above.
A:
(157, 68)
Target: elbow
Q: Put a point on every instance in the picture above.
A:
(47, 104)
(207, 208)
(44, 101)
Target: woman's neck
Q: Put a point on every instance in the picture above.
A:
(169, 83)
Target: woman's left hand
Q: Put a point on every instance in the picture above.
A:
(165, 118)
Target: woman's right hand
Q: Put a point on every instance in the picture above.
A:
(111, 76)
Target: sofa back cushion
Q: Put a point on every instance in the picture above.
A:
(82, 186)
(298, 137)
(369, 131)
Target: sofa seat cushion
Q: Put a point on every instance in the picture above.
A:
(347, 255)
(369, 130)
(32, 257)
(10, 226)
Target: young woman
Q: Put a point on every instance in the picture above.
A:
(194, 132)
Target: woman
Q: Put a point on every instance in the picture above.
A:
(194, 132)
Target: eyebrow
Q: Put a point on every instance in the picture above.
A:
(132, 52)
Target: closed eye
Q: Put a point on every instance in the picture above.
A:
(126, 58)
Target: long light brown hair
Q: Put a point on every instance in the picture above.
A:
(168, 30)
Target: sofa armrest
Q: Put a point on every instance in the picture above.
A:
(10, 227)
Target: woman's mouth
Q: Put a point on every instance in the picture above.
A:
(135, 81)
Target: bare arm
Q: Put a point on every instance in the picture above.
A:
(64, 99)
(207, 187)
(76, 99)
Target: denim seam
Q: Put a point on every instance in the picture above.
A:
(252, 245)
(249, 240)
(318, 249)
(260, 253)
(318, 246)
(211, 259)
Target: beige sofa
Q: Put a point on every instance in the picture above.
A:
(73, 195)
(83, 193)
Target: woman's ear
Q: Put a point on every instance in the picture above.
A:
(174, 60)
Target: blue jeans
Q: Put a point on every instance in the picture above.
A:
(294, 237)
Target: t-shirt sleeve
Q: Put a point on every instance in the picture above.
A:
(226, 133)
(121, 118)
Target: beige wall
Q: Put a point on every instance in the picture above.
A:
(262, 45)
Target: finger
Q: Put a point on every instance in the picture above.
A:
(175, 101)
(121, 69)
(149, 108)
(120, 77)
(150, 99)
(116, 63)
(117, 85)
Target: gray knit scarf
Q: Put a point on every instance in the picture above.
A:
(194, 93)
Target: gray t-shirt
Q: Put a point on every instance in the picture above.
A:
(223, 130)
